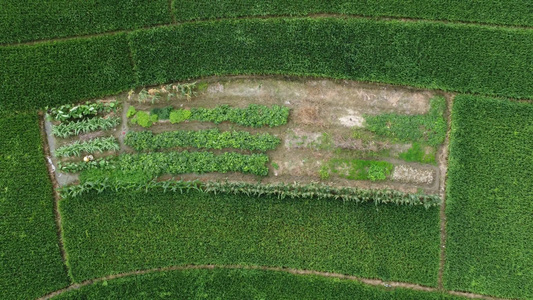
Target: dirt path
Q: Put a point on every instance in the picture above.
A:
(368, 281)
(55, 184)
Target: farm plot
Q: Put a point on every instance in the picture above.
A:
(490, 198)
(113, 232)
(342, 134)
(30, 258)
(240, 284)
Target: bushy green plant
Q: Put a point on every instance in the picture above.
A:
(144, 119)
(91, 146)
(69, 112)
(162, 113)
(67, 129)
(74, 167)
(253, 116)
(131, 112)
(179, 115)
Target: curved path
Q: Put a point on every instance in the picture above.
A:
(368, 281)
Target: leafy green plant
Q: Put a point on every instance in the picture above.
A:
(324, 172)
(357, 169)
(67, 129)
(131, 112)
(69, 112)
(162, 113)
(253, 116)
(179, 115)
(91, 146)
(203, 139)
(377, 172)
(144, 119)
(74, 167)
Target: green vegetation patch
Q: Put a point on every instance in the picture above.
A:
(143, 167)
(419, 153)
(54, 73)
(429, 128)
(456, 57)
(111, 232)
(510, 12)
(358, 169)
(30, 259)
(240, 284)
(77, 148)
(22, 21)
(202, 139)
(490, 198)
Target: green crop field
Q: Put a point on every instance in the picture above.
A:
(30, 263)
(111, 233)
(239, 284)
(490, 198)
(270, 142)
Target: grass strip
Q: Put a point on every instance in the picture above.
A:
(113, 232)
(510, 12)
(30, 264)
(490, 198)
(240, 284)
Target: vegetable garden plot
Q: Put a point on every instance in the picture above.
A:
(490, 198)
(113, 232)
(392, 144)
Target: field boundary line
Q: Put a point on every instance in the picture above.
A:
(274, 17)
(443, 166)
(57, 197)
(368, 281)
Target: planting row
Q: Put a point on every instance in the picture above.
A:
(30, 263)
(147, 166)
(95, 145)
(422, 54)
(67, 129)
(252, 116)
(202, 139)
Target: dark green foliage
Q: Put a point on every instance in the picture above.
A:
(253, 116)
(67, 129)
(429, 129)
(95, 145)
(202, 139)
(110, 232)
(140, 168)
(358, 169)
(55, 73)
(162, 113)
(490, 198)
(241, 284)
(22, 21)
(281, 191)
(69, 112)
(457, 57)
(30, 260)
(508, 12)
(419, 153)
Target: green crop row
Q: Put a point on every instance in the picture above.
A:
(77, 148)
(74, 167)
(30, 259)
(359, 169)
(509, 12)
(22, 21)
(223, 283)
(202, 139)
(157, 229)
(65, 130)
(429, 129)
(69, 112)
(281, 191)
(490, 198)
(140, 168)
(253, 116)
(452, 57)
